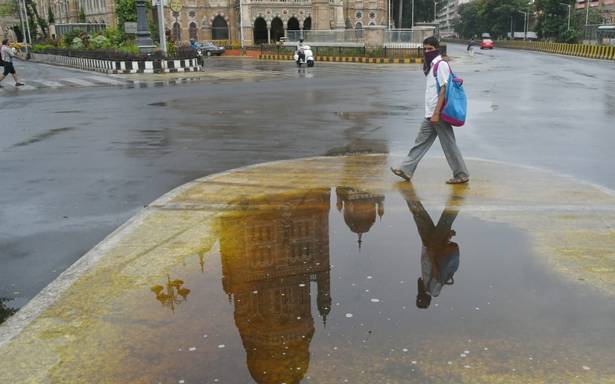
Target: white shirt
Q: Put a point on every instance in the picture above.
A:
(431, 90)
(6, 53)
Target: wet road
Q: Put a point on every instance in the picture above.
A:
(76, 163)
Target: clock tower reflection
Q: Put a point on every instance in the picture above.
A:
(274, 250)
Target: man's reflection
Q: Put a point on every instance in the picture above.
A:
(439, 254)
(272, 249)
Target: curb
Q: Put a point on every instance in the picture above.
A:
(119, 67)
(600, 52)
(349, 59)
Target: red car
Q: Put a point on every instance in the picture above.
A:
(487, 44)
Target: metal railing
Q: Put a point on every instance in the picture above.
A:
(327, 36)
(62, 29)
(407, 37)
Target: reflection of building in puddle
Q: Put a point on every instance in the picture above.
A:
(359, 209)
(174, 295)
(271, 251)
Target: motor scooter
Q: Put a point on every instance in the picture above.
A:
(307, 58)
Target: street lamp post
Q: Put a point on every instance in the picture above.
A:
(241, 24)
(162, 34)
(569, 6)
(26, 32)
(525, 14)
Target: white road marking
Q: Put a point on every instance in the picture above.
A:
(48, 83)
(106, 80)
(77, 81)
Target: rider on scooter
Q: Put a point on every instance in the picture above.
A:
(300, 52)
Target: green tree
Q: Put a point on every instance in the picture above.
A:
(470, 23)
(50, 18)
(8, 8)
(39, 21)
(553, 19)
(81, 15)
(493, 16)
(126, 10)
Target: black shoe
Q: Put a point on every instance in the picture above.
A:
(18, 84)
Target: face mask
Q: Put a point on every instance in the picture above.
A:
(429, 56)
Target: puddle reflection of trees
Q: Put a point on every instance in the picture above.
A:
(172, 293)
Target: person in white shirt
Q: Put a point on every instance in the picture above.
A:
(300, 51)
(432, 126)
(6, 53)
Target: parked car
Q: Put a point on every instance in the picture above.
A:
(487, 44)
(211, 49)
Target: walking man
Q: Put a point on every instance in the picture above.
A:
(7, 55)
(432, 126)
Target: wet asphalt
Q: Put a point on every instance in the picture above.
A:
(76, 163)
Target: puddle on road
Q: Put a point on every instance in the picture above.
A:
(339, 285)
(307, 271)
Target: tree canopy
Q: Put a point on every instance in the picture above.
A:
(549, 18)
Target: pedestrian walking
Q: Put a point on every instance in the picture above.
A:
(470, 48)
(6, 53)
(432, 126)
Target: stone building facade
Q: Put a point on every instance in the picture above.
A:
(266, 21)
(67, 11)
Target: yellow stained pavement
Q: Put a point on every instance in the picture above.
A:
(78, 336)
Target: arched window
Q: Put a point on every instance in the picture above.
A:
(307, 24)
(277, 29)
(294, 32)
(177, 32)
(260, 31)
(359, 29)
(193, 31)
(219, 29)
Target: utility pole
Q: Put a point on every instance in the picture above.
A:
(525, 14)
(162, 33)
(241, 24)
(26, 32)
(512, 33)
(569, 6)
(401, 11)
(412, 24)
(586, 14)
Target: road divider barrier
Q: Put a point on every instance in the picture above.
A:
(349, 59)
(119, 67)
(602, 52)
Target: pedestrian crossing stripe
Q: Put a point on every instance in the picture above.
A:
(78, 82)
(51, 84)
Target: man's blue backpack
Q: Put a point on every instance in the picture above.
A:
(455, 102)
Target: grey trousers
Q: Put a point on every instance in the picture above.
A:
(425, 138)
